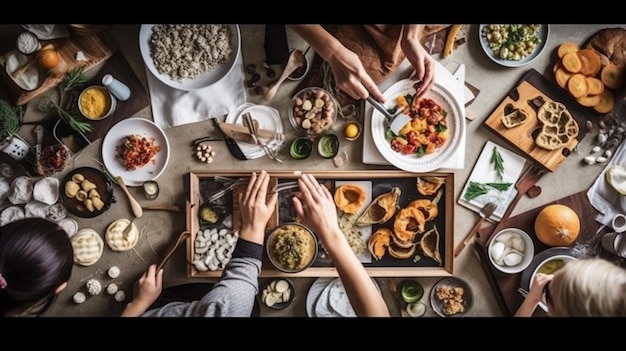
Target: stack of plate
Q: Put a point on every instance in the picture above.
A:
(328, 298)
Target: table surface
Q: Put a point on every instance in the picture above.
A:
(159, 227)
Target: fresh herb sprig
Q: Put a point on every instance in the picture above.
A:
(497, 161)
(476, 189)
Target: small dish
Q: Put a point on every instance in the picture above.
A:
(312, 111)
(280, 245)
(467, 299)
(539, 258)
(301, 148)
(328, 145)
(506, 247)
(550, 265)
(96, 103)
(542, 34)
(300, 72)
(74, 204)
(277, 294)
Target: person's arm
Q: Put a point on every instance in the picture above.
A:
(317, 210)
(348, 70)
(419, 58)
(528, 306)
(147, 290)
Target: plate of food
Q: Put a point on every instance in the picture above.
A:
(513, 45)
(328, 298)
(135, 149)
(451, 297)
(440, 135)
(198, 70)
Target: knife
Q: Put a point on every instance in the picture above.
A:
(241, 132)
(231, 144)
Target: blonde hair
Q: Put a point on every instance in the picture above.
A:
(591, 287)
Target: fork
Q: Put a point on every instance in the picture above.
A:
(216, 195)
(485, 212)
(524, 293)
(255, 136)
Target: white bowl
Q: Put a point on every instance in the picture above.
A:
(505, 241)
(563, 258)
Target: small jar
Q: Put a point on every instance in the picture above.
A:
(27, 43)
(151, 189)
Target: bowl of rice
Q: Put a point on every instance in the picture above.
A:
(291, 247)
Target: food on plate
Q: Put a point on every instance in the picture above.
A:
(185, 51)
(557, 225)
(605, 103)
(515, 118)
(430, 245)
(429, 208)
(452, 299)
(596, 86)
(561, 75)
(88, 246)
(115, 238)
(349, 198)
(426, 132)
(408, 223)
(21, 190)
(352, 234)
(381, 209)
(612, 76)
(328, 146)
(136, 151)
(292, 247)
(512, 41)
(11, 213)
(428, 185)
(113, 272)
(616, 177)
(276, 292)
(378, 243)
(313, 110)
(209, 215)
(551, 266)
(558, 127)
(85, 191)
(46, 190)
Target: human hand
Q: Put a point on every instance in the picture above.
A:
(256, 208)
(351, 76)
(317, 206)
(148, 287)
(421, 61)
(539, 283)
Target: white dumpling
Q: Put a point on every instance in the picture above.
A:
(517, 243)
(10, 214)
(46, 190)
(36, 209)
(21, 191)
(513, 259)
(4, 189)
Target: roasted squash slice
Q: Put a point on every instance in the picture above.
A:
(378, 242)
(349, 198)
(381, 209)
(430, 245)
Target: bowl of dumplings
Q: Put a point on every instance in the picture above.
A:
(86, 192)
(511, 250)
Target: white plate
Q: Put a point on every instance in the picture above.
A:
(544, 30)
(204, 80)
(316, 291)
(268, 118)
(428, 162)
(144, 128)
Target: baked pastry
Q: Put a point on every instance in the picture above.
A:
(428, 185)
(349, 198)
(378, 242)
(430, 245)
(381, 209)
(558, 126)
(515, 118)
(116, 240)
(88, 246)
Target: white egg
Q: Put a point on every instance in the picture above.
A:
(504, 237)
(497, 249)
(513, 259)
(517, 243)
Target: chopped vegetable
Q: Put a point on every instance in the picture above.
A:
(412, 291)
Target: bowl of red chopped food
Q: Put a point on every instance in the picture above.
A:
(135, 149)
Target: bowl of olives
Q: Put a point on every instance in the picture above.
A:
(312, 111)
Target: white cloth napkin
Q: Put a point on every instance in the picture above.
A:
(172, 107)
(603, 197)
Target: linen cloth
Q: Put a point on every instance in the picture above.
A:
(172, 107)
(601, 194)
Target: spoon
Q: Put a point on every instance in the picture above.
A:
(134, 205)
(396, 121)
(296, 59)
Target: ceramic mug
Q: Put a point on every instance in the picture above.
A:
(619, 223)
(17, 148)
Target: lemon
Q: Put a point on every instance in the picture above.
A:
(351, 130)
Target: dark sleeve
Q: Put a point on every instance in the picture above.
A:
(245, 248)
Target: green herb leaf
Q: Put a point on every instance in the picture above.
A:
(476, 189)
(497, 161)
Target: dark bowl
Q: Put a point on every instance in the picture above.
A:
(277, 305)
(104, 187)
(293, 232)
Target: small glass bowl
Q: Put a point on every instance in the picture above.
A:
(318, 105)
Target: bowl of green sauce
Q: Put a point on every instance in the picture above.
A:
(328, 145)
(301, 148)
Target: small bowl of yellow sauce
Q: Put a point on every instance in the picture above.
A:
(96, 103)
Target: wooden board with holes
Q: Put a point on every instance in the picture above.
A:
(202, 183)
(529, 94)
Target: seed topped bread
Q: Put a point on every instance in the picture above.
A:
(558, 126)
(88, 246)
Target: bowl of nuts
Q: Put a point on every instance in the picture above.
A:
(312, 111)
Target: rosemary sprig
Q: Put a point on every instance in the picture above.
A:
(74, 77)
(476, 189)
(71, 120)
(497, 161)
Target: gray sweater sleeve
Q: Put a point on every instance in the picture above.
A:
(232, 296)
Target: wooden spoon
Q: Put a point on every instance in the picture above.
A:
(134, 205)
(296, 59)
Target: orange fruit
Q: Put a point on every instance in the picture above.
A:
(48, 58)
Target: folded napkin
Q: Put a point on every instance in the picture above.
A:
(603, 197)
(172, 107)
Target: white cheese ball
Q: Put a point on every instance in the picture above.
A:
(79, 297)
(114, 272)
(94, 287)
(112, 289)
(120, 296)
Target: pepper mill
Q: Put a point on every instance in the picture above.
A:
(117, 88)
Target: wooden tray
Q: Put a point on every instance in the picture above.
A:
(381, 181)
(528, 94)
(505, 285)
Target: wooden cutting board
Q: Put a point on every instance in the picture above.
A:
(530, 92)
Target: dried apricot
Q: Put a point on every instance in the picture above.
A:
(595, 85)
(590, 62)
(571, 62)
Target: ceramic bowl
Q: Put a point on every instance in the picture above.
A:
(96, 103)
(551, 265)
(511, 250)
(291, 240)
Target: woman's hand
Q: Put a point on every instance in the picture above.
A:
(421, 60)
(256, 208)
(317, 207)
(351, 76)
(539, 283)
(147, 290)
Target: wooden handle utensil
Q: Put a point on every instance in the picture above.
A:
(134, 205)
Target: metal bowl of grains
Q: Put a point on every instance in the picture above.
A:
(190, 67)
(291, 247)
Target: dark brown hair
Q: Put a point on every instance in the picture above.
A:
(36, 256)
